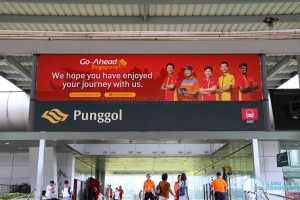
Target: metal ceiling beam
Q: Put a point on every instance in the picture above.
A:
(147, 1)
(35, 19)
(17, 67)
(279, 66)
(282, 76)
(290, 69)
(14, 76)
(23, 83)
(274, 83)
(6, 69)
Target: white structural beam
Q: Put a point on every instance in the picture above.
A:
(242, 46)
(140, 20)
(148, 1)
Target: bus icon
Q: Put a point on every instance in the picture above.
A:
(249, 113)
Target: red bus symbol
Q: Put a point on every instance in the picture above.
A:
(249, 114)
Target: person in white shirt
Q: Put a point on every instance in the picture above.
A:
(116, 195)
(66, 191)
(50, 190)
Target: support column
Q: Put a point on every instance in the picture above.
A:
(102, 181)
(298, 64)
(49, 167)
(39, 179)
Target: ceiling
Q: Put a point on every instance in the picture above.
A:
(143, 19)
(232, 151)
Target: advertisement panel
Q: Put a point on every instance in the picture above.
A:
(148, 92)
(148, 78)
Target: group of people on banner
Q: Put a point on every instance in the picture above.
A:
(210, 88)
(163, 188)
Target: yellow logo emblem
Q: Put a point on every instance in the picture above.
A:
(54, 116)
(122, 63)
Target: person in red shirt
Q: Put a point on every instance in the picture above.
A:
(208, 86)
(245, 84)
(121, 192)
(170, 83)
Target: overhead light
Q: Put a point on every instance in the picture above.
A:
(7, 143)
(19, 148)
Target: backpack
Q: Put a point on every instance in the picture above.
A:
(181, 189)
(158, 189)
(69, 190)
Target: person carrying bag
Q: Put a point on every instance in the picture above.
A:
(183, 188)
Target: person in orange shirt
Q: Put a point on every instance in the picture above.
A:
(176, 186)
(245, 84)
(220, 187)
(170, 83)
(189, 86)
(148, 187)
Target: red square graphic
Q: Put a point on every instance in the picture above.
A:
(249, 114)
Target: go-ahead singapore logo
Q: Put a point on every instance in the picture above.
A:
(54, 116)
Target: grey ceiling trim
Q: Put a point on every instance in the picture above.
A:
(241, 46)
(274, 135)
(148, 1)
(279, 66)
(14, 64)
(33, 19)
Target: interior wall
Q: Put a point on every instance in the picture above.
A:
(14, 168)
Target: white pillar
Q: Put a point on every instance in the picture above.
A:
(49, 167)
(270, 173)
(40, 168)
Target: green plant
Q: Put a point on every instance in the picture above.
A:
(22, 188)
(10, 195)
(60, 174)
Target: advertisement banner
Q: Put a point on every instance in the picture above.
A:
(148, 116)
(148, 77)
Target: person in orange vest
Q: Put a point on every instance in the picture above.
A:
(220, 187)
(188, 88)
(148, 188)
(176, 186)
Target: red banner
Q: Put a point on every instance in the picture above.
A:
(148, 78)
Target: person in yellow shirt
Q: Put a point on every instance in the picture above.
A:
(226, 83)
(220, 187)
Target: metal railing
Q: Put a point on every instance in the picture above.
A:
(277, 195)
(33, 191)
(4, 188)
